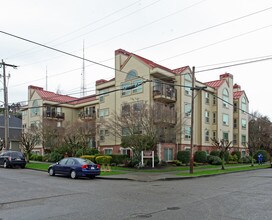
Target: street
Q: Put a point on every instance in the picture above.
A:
(29, 194)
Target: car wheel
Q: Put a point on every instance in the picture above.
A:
(73, 174)
(51, 172)
(5, 164)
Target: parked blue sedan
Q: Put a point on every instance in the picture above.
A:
(75, 167)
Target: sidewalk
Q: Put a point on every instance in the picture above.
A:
(145, 176)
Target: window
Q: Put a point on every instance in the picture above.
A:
(207, 116)
(90, 111)
(225, 119)
(103, 112)
(207, 135)
(243, 153)
(187, 133)
(235, 107)
(244, 140)
(102, 134)
(226, 136)
(168, 154)
(244, 105)
(70, 162)
(244, 123)
(132, 74)
(187, 109)
(137, 107)
(214, 100)
(187, 88)
(225, 98)
(125, 131)
(235, 123)
(102, 94)
(63, 161)
(138, 87)
(157, 88)
(207, 98)
(235, 139)
(125, 109)
(108, 151)
(214, 117)
(124, 86)
(214, 134)
(35, 109)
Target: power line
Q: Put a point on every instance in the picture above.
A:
(204, 29)
(78, 29)
(218, 42)
(237, 64)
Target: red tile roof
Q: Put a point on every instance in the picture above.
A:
(238, 94)
(62, 99)
(149, 62)
(215, 84)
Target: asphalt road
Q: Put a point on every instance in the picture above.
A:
(28, 194)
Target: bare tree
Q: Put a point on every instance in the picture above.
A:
(78, 135)
(29, 139)
(223, 146)
(259, 133)
(141, 127)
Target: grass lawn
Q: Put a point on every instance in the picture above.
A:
(184, 170)
(228, 169)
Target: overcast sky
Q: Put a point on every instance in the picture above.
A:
(173, 33)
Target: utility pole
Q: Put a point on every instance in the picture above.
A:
(6, 147)
(192, 123)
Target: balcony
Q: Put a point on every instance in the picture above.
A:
(164, 93)
(54, 115)
(87, 116)
(165, 114)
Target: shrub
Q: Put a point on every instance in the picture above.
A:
(91, 151)
(215, 153)
(200, 157)
(36, 157)
(184, 156)
(226, 156)
(246, 159)
(214, 160)
(119, 158)
(55, 156)
(175, 162)
(132, 162)
(264, 153)
(103, 159)
(89, 157)
(237, 153)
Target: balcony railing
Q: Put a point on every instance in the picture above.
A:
(84, 115)
(164, 93)
(54, 115)
(165, 114)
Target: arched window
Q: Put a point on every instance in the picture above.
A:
(131, 75)
(225, 98)
(244, 105)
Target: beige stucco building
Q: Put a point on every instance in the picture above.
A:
(220, 107)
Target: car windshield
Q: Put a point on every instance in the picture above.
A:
(84, 161)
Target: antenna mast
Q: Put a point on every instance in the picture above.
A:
(83, 86)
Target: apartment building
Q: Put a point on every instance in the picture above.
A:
(55, 112)
(220, 110)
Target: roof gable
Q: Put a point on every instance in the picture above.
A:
(215, 84)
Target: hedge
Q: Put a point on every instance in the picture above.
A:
(103, 159)
(184, 156)
(119, 158)
(200, 157)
